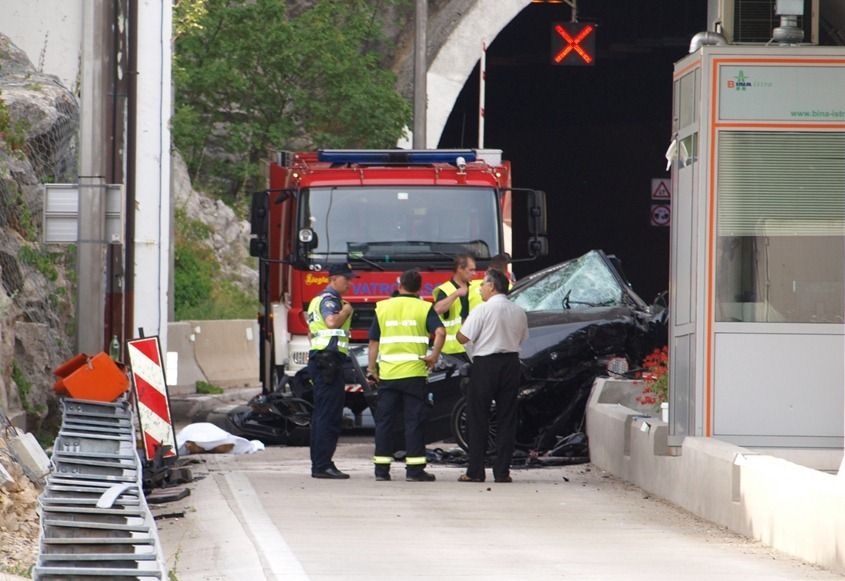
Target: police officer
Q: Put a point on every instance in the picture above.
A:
(329, 319)
(399, 339)
(451, 302)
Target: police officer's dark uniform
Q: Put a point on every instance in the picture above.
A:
(329, 349)
(399, 339)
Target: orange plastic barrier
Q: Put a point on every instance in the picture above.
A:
(95, 378)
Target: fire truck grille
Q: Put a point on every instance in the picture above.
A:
(363, 315)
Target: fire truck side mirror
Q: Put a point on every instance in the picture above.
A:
(537, 213)
(258, 224)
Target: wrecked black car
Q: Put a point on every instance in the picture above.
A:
(584, 321)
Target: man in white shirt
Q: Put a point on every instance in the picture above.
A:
(496, 330)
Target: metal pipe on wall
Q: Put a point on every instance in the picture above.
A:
(131, 136)
(93, 144)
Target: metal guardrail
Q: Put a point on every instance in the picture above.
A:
(94, 518)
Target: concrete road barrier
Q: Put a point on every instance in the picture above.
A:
(227, 351)
(794, 508)
(180, 339)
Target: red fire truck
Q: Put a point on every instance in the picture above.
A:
(381, 211)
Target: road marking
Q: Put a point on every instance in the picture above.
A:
(274, 552)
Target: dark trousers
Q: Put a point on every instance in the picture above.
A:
(401, 397)
(494, 377)
(327, 416)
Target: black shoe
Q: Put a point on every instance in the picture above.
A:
(382, 477)
(420, 477)
(331, 473)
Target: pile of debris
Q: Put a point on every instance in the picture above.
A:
(19, 524)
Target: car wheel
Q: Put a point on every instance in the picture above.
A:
(459, 426)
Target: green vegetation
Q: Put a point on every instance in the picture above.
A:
(249, 77)
(43, 262)
(24, 390)
(206, 388)
(200, 291)
(21, 220)
(12, 132)
(47, 437)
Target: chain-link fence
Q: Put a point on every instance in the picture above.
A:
(51, 147)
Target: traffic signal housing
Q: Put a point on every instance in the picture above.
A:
(573, 44)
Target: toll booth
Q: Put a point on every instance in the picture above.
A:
(757, 340)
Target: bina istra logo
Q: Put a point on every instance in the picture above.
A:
(739, 82)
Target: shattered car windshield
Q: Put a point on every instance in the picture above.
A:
(583, 282)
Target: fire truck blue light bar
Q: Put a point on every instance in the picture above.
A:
(421, 156)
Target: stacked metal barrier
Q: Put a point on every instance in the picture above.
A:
(94, 518)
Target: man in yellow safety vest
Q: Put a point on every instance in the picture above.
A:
(498, 262)
(329, 319)
(451, 302)
(398, 362)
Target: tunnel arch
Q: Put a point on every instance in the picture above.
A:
(449, 70)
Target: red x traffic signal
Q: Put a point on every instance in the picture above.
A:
(573, 43)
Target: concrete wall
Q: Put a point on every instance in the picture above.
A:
(49, 32)
(796, 509)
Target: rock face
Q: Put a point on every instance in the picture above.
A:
(230, 235)
(18, 517)
(38, 126)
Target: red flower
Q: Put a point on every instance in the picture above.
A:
(655, 377)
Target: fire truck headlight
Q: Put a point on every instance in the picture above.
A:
(306, 235)
(299, 358)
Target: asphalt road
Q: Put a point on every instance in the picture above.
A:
(263, 517)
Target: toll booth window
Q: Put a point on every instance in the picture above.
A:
(780, 248)
(389, 224)
(688, 150)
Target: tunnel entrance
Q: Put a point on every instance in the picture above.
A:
(592, 137)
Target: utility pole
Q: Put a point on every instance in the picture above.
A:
(420, 68)
(91, 243)
(482, 93)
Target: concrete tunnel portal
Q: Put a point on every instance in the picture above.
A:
(592, 137)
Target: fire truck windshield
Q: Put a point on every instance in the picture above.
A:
(401, 223)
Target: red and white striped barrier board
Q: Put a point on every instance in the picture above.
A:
(151, 391)
(353, 388)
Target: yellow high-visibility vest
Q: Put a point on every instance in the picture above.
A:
(403, 337)
(451, 320)
(474, 293)
(321, 335)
